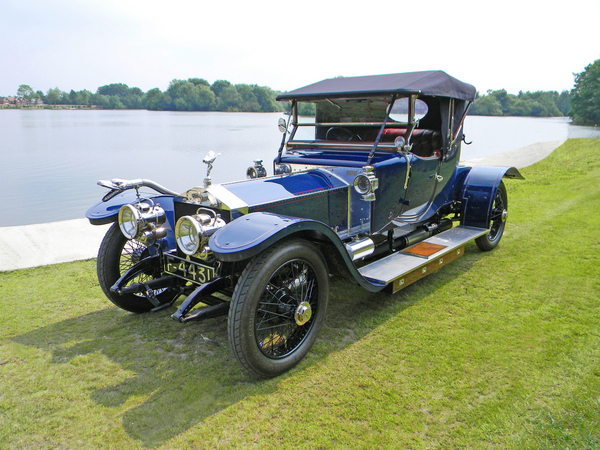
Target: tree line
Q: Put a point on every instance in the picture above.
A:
(193, 94)
(582, 103)
(532, 104)
(197, 94)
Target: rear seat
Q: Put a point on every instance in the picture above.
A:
(426, 143)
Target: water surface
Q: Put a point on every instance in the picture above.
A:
(50, 160)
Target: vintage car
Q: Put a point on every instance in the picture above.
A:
(369, 188)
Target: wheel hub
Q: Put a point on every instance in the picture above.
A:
(504, 215)
(303, 313)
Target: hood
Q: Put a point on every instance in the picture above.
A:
(251, 195)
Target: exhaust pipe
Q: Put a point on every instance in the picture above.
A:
(421, 234)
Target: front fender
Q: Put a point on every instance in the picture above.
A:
(107, 212)
(479, 190)
(253, 233)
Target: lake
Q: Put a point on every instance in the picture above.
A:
(52, 159)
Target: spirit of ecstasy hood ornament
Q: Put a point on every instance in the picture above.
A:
(209, 159)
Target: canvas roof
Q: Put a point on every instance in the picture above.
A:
(433, 82)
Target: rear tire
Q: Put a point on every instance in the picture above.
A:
(278, 308)
(498, 215)
(116, 256)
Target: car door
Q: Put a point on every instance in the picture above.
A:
(421, 188)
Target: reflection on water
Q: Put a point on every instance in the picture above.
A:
(51, 160)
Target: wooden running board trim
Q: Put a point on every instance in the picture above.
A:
(421, 272)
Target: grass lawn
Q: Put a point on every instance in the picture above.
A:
(496, 350)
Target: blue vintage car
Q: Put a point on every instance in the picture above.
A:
(370, 188)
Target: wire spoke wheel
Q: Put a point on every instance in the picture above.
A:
(278, 307)
(132, 253)
(498, 215)
(115, 257)
(292, 286)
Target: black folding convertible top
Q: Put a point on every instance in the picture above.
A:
(435, 82)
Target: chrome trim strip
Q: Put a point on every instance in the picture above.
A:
(226, 198)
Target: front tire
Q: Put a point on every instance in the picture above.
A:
(278, 308)
(116, 256)
(498, 215)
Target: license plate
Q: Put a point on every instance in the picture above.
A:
(188, 270)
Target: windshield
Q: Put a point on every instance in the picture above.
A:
(361, 119)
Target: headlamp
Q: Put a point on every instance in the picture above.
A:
(137, 219)
(366, 183)
(187, 235)
(193, 232)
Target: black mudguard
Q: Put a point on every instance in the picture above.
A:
(249, 235)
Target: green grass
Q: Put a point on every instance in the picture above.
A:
(496, 350)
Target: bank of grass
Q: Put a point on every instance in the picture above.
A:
(496, 350)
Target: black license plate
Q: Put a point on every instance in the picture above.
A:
(188, 270)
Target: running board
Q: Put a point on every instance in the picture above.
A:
(415, 262)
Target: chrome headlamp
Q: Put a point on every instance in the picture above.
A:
(138, 219)
(187, 233)
(366, 183)
(192, 232)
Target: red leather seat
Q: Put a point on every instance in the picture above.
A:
(426, 143)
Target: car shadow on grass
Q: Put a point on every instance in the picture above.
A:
(164, 378)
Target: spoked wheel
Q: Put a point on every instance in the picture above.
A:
(116, 256)
(278, 308)
(498, 215)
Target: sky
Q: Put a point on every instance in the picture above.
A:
(84, 44)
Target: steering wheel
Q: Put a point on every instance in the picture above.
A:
(341, 134)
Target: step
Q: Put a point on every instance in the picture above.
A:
(413, 263)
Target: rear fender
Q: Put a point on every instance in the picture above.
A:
(479, 189)
(253, 233)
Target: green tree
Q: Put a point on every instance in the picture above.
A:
(218, 86)
(199, 82)
(39, 94)
(187, 96)
(487, 105)
(133, 100)
(25, 91)
(118, 89)
(229, 100)
(154, 99)
(53, 96)
(306, 109)
(563, 103)
(585, 100)
(114, 102)
(266, 99)
(249, 102)
(205, 99)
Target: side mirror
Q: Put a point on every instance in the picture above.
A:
(282, 125)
